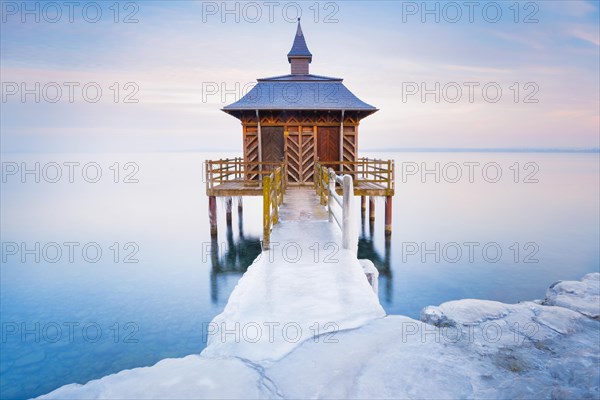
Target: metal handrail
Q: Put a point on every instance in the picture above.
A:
(348, 221)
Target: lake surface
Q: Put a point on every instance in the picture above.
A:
(105, 273)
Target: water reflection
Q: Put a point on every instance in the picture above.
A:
(232, 257)
(367, 250)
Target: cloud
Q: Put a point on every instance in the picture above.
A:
(587, 34)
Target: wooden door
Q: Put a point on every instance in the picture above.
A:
(272, 143)
(328, 143)
(300, 154)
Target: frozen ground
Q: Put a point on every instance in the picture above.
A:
(460, 349)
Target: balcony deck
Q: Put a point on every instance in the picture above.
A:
(235, 188)
(234, 177)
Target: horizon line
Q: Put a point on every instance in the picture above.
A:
(392, 150)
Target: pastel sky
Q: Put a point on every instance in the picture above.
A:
(180, 51)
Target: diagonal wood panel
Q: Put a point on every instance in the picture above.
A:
(328, 143)
(272, 143)
(308, 155)
(293, 157)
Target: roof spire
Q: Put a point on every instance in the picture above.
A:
(299, 56)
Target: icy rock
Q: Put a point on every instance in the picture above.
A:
(464, 349)
(582, 296)
(468, 311)
(191, 377)
(371, 273)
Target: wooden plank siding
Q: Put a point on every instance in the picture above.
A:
(301, 140)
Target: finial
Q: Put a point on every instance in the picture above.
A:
(298, 19)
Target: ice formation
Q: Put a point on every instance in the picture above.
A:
(459, 349)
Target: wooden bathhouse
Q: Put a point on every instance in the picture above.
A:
(303, 125)
(300, 118)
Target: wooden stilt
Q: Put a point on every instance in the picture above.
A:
(362, 223)
(371, 208)
(212, 214)
(363, 205)
(388, 215)
(240, 217)
(228, 207)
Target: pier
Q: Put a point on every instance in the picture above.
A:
(308, 280)
(237, 178)
(300, 154)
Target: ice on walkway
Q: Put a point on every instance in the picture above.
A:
(305, 285)
(286, 297)
(461, 349)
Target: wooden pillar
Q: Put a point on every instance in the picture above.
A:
(371, 208)
(266, 212)
(388, 215)
(240, 206)
(228, 207)
(363, 209)
(212, 214)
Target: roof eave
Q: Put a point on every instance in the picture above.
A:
(227, 110)
(308, 55)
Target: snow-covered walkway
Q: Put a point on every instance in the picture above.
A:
(304, 286)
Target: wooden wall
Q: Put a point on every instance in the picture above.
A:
(300, 130)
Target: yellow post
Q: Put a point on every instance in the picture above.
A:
(315, 178)
(276, 198)
(266, 211)
(322, 185)
(389, 176)
(324, 189)
(280, 187)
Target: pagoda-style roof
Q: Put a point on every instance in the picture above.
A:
(299, 48)
(300, 91)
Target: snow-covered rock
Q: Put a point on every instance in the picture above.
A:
(371, 273)
(461, 349)
(583, 296)
(191, 377)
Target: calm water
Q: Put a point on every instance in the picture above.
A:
(75, 316)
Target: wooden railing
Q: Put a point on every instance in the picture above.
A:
(364, 172)
(273, 189)
(321, 177)
(236, 169)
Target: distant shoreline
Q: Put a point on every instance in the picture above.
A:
(393, 150)
(485, 150)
